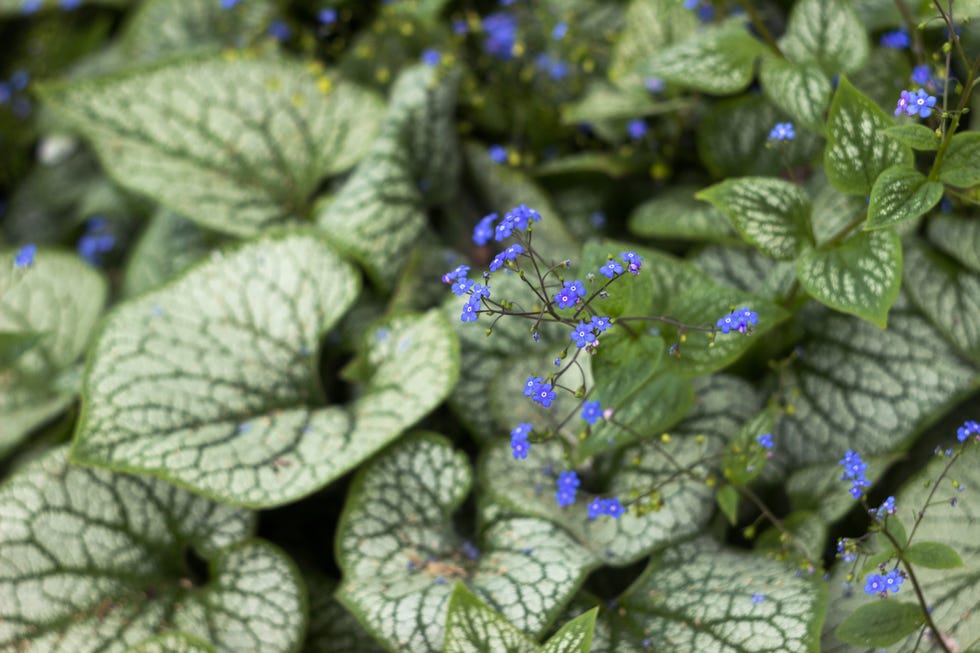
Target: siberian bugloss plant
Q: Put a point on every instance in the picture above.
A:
(634, 325)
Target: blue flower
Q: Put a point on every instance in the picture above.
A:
(887, 508)
(897, 39)
(893, 581)
(431, 57)
(600, 324)
(479, 290)
(460, 26)
(765, 440)
(654, 84)
(741, 320)
(96, 241)
(25, 256)
(783, 131)
(568, 296)
(874, 584)
(575, 287)
(591, 411)
(758, 598)
(501, 34)
(633, 261)
(846, 550)
(531, 385)
(518, 440)
(559, 31)
(470, 311)
(459, 273)
(522, 215)
(610, 507)
(582, 335)
(555, 68)
(543, 394)
(228, 4)
(636, 128)
(610, 269)
(920, 103)
(498, 154)
(921, 75)
(595, 508)
(902, 106)
(483, 231)
(327, 16)
(854, 469)
(470, 550)
(969, 428)
(461, 286)
(280, 30)
(568, 484)
(497, 262)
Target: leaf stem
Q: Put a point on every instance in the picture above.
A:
(760, 26)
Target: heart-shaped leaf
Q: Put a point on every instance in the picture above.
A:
(169, 245)
(961, 167)
(858, 387)
(827, 32)
(380, 211)
(772, 214)
(719, 60)
(951, 593)
(160, 28)
(527, 486)
(947, 294)
(210, 382)
(861, 276)
(698, 596)
(96, 561)
(958, 237)
(472, 625)
(676, 214)
(400, 555)
(901, 194)
(857, 149)
(802, 90)
(53, 305)
(881, 623)
(235, 144)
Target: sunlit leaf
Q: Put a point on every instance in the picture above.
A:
(901, 194)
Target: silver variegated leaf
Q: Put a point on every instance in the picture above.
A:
(802, 90)
(827, 32)
(958, 237)
(901, 194)
(234, 143)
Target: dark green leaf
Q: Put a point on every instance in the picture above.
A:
(772, 214)
(914, 135)
(676, 214)
(958, 237)
(332, 628)
(727, 500)
(933, 555)
(857, 150)
(961, 167)
(901, 194)
(881, 623)
(861, 276)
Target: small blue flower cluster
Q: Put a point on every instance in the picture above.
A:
(741, 320)
(587, 334)
(854, 469)
(783, 131)
(518, 440)
(570, 294)
(969, 428)
(915, 102)
(847, 549)
(568, 483)
(500, 29)
(890, 582)
(539, 390)
(765, 440)
(96, 241)
(591, 412)
(887, 508)
(610, 507)
(897, 39)
(24, 258)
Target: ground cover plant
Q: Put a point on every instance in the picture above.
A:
(553, 325)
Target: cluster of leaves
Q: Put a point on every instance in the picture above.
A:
(222, 229)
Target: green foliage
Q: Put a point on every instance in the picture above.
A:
(725, 246)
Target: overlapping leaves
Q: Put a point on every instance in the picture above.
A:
(236, 144)
(400, 555)
(47, 314)
(96, 561)
(241, 331)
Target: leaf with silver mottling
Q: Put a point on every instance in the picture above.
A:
(958, 237)
(901, 194)
(827, 32)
